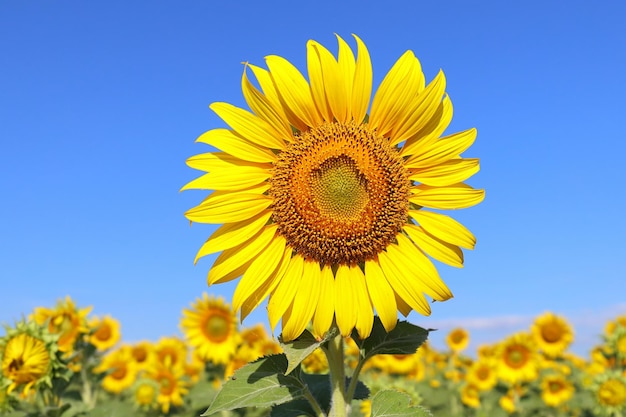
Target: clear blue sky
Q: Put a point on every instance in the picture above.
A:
(100, 104)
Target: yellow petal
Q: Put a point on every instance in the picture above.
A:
(316, 77)
(212, 161)
(285, 291)
(325, 310)
(232, 259)
(448, 172)
(266, 109)
(304, 302)
(346, 68)
(293, 89)
(403, 307)
(381, 294)
(228, 208)
(401, 282)
(268, 286)
(363, 304)
(248, 125)
(362, 87)
(230, 235)
(450, 197)
(345, 308)
(432, 131)
(438, 249)
(259, 271)
(420, 110)
(399, 87)
(446, 148)
(232, 178)
(425, 274)
(445, 228)
(269, 89)
(234, 144)
(334, 85)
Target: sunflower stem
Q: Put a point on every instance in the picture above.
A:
(334, 354)
(316, 407)
(354, 379)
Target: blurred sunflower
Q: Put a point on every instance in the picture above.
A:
(517, 358)
(318, 198)
(172, 385)
(482, 375)
(610, 390)
(120, 369)
(171, 352)
(143, 354)
(145, 394)
(611, 325)
(470, 395)
(106, 332)
(457, 340)
(552, 333)
(556, 390)
(210, 326)
(28, 357)
(66, 320)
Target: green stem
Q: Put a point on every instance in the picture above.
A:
(334, 354)
(316, 407)
(354, 379)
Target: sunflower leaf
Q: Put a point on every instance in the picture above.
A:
(262, 383)
(404, 339)
(297, 350)
(393, 403)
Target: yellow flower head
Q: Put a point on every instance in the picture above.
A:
(316, 362)
(610, 390)
(172, 385)
(458, 339)
(482, 374)
(325, 205)
(66, 320)
(611, 325)
(143, 354)
(171, 352)
(552, 333)
(556, 390)
(517, 359)
(145, 394)
(28, 357)
(470, 395)
(120, 368)
(106, 332)
(210, 326)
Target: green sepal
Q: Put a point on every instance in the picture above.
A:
(262, 383)
(297, 350)
(396, 404)
(404, 339)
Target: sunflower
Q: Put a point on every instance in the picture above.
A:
(210, 326)
(145, 394)
(171, 352)
(556, 390)
(458, 339)
(610, 390)
(106, 332)
(66, 320)
(171, 385)
(143, 353)
(316, 362)
(28, 357)
(470, 395)
(482, 375)
(120, 368)
(611, 325)
(552, 333)
(322, 204)
(517, 358)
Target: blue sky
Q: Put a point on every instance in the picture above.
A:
(100, 104)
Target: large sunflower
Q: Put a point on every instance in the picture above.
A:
(552, 333)
(323, 203)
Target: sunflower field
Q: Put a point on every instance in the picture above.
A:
(61, 361)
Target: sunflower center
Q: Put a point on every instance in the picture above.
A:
(216, 328)
(555, 386)
(167, 385)
(103, 332)
(551, 332)
(341, 193)
(16, 364)
(483, 373)
(120, 372)
(516, 357)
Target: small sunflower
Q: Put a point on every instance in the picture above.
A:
(458, 339)
(517, 359)
(210, 326)
(324, 206)
(171, 352)
(482, 375)
(611, 325)
(145, 394)
(552, 333)
(470, 395)
(316, 362)
(106, 332)
(172, 385)
(66, 320)
(121, 370)
(610, 390)
(28, 357)
(556, 390)
(143, 353)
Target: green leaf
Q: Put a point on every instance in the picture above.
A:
(404, 339)
(395, 404)
(262, 383)
(296, 408)
(297, 350)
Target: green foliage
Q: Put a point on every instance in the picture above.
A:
(404, 339)
(298, 349)
(395, 404)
